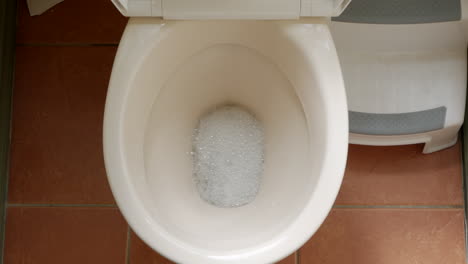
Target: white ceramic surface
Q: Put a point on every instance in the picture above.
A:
(405, 68)
(231, 9)
(166, 74)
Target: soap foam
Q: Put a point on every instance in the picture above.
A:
(228, 147)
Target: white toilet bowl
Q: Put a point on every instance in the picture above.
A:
(167, 74)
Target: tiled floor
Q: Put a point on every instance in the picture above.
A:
(396, 205)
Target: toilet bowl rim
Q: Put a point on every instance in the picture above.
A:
(136, 213)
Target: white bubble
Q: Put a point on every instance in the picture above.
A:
(228, 147)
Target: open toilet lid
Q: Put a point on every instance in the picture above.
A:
(231, 9)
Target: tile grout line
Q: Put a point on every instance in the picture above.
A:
(5, 206)
(5, 195)
(8, 21)
(63, 205)
(127, 249)
(334, 207)
(398, 207)
(462, 138)
(464, 164)
(71, 44)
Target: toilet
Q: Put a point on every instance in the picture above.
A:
(169, 72)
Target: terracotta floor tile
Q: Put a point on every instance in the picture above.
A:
(373, 236)
(58, 105)
(140, 253)
(402, 175)
(65, 235)
(289, 260)
(72, 21)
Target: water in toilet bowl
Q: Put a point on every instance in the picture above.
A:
(228, 154)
